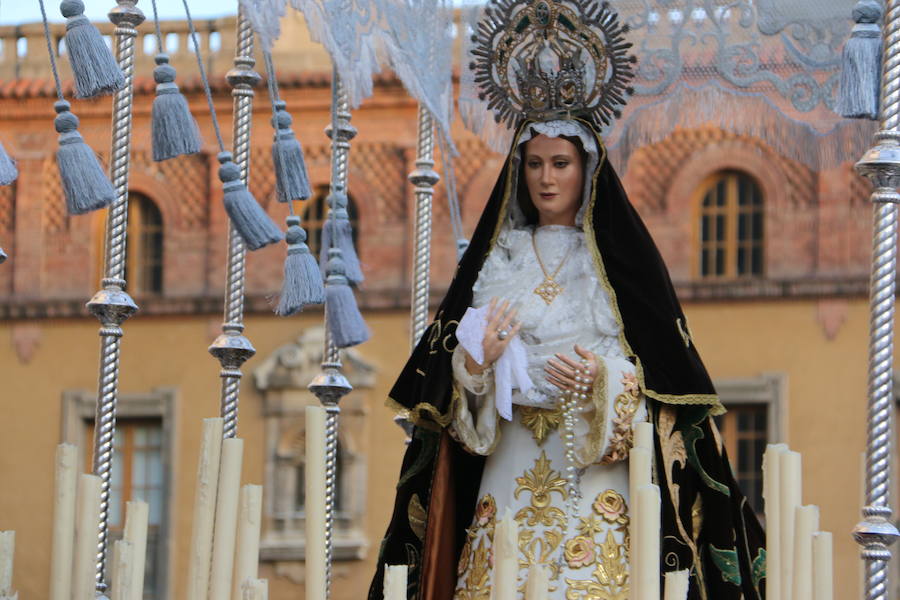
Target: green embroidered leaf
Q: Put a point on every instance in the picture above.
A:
(692, 434)
(727, 563)
(758, 568)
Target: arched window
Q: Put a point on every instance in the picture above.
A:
(315, 211)
(144, 267)
(731, 226)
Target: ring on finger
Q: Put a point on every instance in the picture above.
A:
(502, 334)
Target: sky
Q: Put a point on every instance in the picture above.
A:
(28, 11)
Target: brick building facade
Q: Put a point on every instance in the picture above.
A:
(784, 339)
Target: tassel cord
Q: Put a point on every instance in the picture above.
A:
(450, 185)
(159, 42)
(271, 82)
(53, 68)
(203, 77)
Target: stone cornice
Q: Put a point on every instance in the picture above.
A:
(398, 299)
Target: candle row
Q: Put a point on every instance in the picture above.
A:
(798, 556)
(76, 518)
(224, 557)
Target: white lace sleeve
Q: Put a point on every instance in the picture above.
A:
(475, 418)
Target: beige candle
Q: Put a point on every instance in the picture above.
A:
(226, 518)
(7, 552)
(789, 489)
(246, 558)
(395, 580)
(643, 435)
(204, 510)
(806, 523)
(506, 558)
(677, 583)
(640, 466)
(538, 585)
(823, 574)
(255, 589)
(86, 529)
(771, 496)
(121, 570)
(647, 544)
(136, 535)
(316, 583)
(63, 544)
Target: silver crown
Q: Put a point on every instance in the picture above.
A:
(550, 59)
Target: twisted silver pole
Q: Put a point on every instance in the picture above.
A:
(112, 305)
(331, 385)
(881, 165)
(424, 178)
(232, 348)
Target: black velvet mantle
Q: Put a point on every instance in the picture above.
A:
(654, 335)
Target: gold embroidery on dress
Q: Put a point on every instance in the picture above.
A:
(475, 561)
(541, 481)
(609, 578)
(673, 452)
(540, 420)
(626, 406)
(417, 516)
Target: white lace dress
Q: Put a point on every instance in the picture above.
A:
(586, 552)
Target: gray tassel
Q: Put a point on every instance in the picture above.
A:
(345, 323)
(291, 178)
(860, 86)
(249, 219)
(302, 279)
(338, 233)
(462, 244)
(84, 182)
(8, 171)
(93, 66)
(174, 130)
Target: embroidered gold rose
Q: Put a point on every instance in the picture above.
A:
(626, 406)
(580, 552)
(611, 506)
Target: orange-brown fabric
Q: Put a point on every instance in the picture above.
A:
(439, 553)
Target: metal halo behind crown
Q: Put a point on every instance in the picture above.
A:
(551, 59)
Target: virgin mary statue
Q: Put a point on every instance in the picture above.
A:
(560, 331)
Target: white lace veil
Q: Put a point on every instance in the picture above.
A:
(515, 218)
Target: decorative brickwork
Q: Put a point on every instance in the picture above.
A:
(7, 209)
(654, 167)
(472, 155)
(381, 164)
(262, 176)
(192, 191)
(55, 218)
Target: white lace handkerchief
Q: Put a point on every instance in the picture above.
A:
(511, 369)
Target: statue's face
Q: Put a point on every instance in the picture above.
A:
(555, 175)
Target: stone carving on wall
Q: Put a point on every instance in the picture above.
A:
(282, 379)
(26, 338)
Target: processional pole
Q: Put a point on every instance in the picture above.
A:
(881, 165)
(331, 385)
(112, 305)
(424, 178)
(232, 348)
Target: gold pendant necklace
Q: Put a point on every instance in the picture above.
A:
(548, 290)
